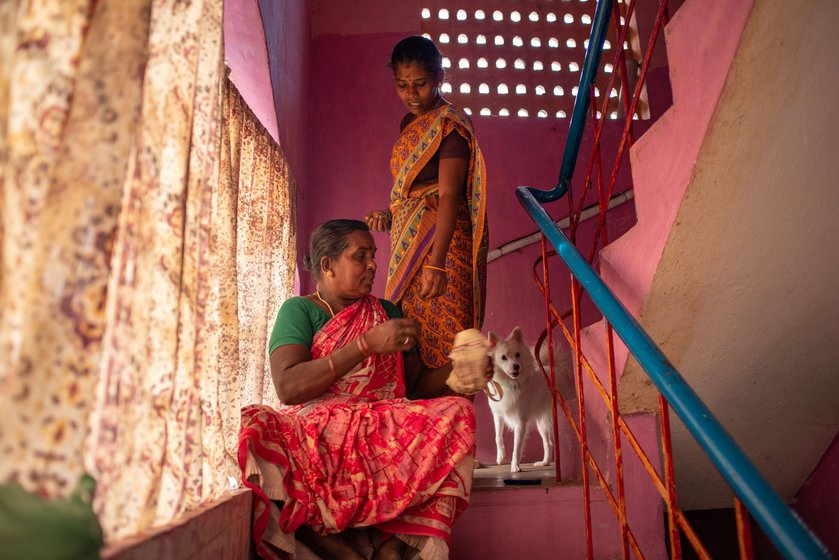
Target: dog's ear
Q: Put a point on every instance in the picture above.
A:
(516, 334)
(492, 338)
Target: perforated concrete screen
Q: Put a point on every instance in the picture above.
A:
(522, 58)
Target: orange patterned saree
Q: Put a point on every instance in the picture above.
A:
(360, 455)
(412, 235)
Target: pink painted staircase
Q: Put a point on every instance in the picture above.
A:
(702, 39)
(547, 521)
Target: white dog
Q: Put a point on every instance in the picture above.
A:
(526, 399)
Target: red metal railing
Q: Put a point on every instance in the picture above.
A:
(664, 482)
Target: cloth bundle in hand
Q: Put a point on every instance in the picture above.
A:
(470, 360)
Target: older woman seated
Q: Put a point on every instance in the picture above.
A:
(349, 450)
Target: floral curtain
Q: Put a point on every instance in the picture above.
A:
(258, 189)
(146, 242)
(70, 81)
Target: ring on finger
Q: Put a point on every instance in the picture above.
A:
(407, 340)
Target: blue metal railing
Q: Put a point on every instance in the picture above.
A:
(783, 527)
(599, 27)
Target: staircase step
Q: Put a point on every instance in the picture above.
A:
(493, 477)
(547, 519)
(506, 521)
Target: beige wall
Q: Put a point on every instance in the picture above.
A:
(745, 299)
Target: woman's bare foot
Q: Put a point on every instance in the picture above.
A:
(329, 547)
(391, 549)
(361, 541)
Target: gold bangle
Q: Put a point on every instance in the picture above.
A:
(332, 366)
(434, 267)
(363, 347)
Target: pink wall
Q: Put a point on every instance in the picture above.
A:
(287, 34)
(355, 122)
(246, 54)
(818, 500)
(354, 112)
(342, 78)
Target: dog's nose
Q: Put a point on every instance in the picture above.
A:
(516, 367)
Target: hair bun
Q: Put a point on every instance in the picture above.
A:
(307, 262)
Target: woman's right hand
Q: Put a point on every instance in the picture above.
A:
(394, 335)
(378, 220)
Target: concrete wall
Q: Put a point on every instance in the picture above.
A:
(818, 500)
(287, 35)
(743, 300)
(246, 54)
(218, 529)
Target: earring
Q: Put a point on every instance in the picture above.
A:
(330, 273)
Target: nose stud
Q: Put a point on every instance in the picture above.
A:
(370, 266)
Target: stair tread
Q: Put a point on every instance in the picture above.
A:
(491, 477)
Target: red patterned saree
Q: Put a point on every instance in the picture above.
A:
(412, 235)
(360, 455)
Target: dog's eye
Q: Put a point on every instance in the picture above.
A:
(504, 356)
(517, 354)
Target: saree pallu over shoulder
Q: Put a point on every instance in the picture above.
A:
(414, 213)
(380, 376)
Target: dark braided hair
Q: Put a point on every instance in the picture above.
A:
(328, 240)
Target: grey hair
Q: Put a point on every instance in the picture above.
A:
(328, 240)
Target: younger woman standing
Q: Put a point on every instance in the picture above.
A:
(437, 214)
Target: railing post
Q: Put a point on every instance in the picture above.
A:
(669, 479)
(552, 384)
(581, 404)
(744, 530)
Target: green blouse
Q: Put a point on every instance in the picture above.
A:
(299, 319)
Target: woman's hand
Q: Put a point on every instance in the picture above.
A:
(434, 283)
(378, 220)
(394, 335)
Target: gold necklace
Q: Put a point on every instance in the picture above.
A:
(326, 303)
